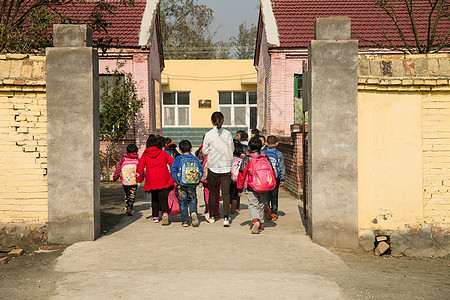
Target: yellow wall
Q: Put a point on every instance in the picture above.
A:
(389, 160)
(404, 157)
(23, 139)
(204, 79)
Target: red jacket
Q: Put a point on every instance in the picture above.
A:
(157, 175)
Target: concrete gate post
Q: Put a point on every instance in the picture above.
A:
(332, 165)
(73, 136)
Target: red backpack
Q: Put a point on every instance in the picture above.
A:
(261, 176)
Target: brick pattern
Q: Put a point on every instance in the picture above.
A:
(436, 158)
(429, 76)
(23, 139)
(292, 149)
(264, 74)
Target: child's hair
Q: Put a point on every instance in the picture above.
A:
(167, 141)
(238, 149)
(131, 148)
(255, 131)
(217, 119)
(152, 141)
(262, 137)
(244, 136)
(161, 143)
(272, 140)
(255, 144)
(185, 146)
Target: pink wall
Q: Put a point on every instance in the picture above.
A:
(145, 67)
(279, 66)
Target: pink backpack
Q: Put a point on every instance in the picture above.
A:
(205, 170)
(235, 165)
(261, 176)
(172, 201)
(128, 172)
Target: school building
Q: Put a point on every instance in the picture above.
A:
(193, 89)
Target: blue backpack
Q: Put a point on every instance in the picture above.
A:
(273, 157)
(189, 173)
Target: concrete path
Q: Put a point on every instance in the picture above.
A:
(139, 259)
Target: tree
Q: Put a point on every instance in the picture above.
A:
(25, 24)
(120, 105)
(185, 29)
(245, 41)
(421, 26)
(223, 50)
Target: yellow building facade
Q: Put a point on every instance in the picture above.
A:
(193, 89)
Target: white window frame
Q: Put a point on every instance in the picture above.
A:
(176, 106)
(247, 106)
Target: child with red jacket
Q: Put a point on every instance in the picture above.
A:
(158, 180)
(126, 171)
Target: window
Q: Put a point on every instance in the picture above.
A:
(176, 109)
(238, 108)
(298, 98)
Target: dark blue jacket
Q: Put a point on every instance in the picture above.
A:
(281, 165)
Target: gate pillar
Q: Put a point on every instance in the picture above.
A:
(73, 136)
(332, 164)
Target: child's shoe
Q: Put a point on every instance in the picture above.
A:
(185, 224)
(209, 219)
(165, 219)
(267, 213)
(233, 206)
(226, 222)
(274, 217)
(256, 226)
(155, 219)
(128, 211)
(194, 218)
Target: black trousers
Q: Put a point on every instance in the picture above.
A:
(213, 182)
(234, 195)
(159, 201)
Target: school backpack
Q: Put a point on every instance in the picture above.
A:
(172, 201)
(128, 172)
(189, 171)
(261, 176)
(235, 165)
(273, 157)
(205, 169)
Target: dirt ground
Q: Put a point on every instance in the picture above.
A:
(32, 276)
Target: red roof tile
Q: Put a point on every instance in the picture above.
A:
(295, 20)
(125, 20)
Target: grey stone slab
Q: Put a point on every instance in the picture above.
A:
(337, 28)
(69, 35)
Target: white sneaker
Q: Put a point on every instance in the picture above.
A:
(226, 222)
(194, 218)
(209, 219)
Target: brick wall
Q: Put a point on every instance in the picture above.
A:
(429, 77)
(292, 149)
(23, 139)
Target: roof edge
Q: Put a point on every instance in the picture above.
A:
(147, 23)
(269, 23)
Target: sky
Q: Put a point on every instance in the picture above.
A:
(229, 14)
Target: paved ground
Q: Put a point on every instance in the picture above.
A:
(140, 259)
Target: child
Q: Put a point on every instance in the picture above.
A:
(238, 155)
(126, 171)
(186, 172)
(256, 194)
(254, 132)
(263, 141)
(276, 157)
(158, 180)
(170, 148)
(244, 141)
(204, 181)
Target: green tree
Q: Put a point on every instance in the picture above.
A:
(119, 107)
(421, 26)
(25, 24)
(223, 50)
(245, 41)
(185, 29)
